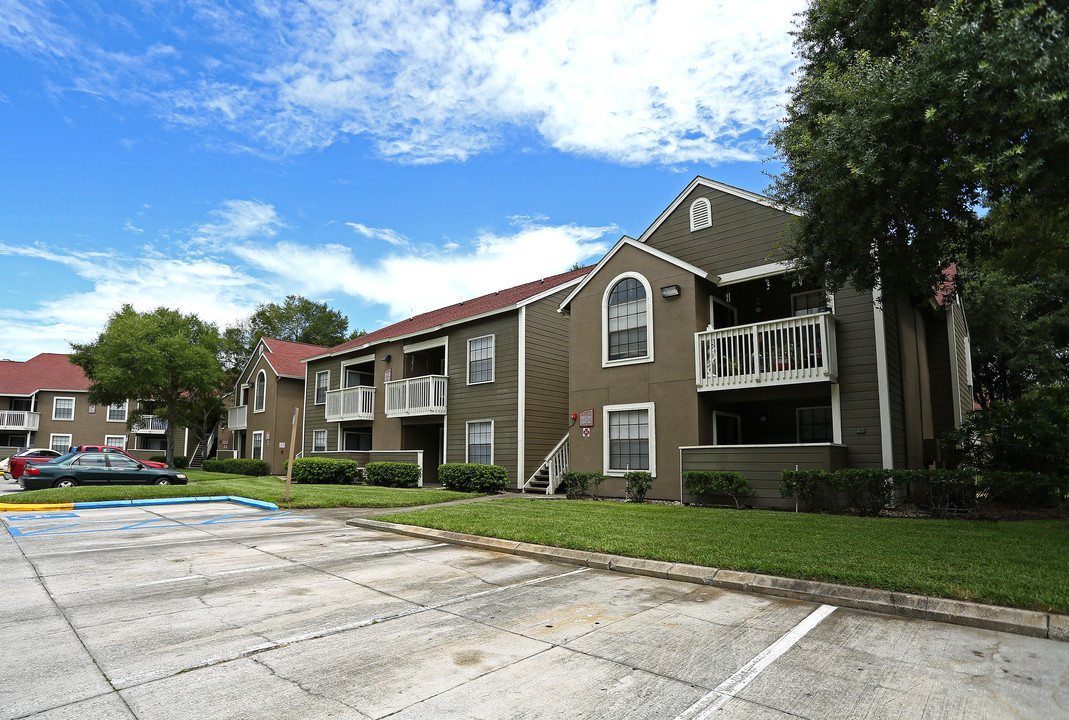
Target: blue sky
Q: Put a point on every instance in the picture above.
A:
(386, 157)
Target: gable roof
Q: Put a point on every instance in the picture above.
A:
(47, 371)
(285, 357)
(500, 301)
(706, 182)
(626, 241)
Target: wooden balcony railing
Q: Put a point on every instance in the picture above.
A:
(19, 420)
(355, 403)
(791, 350)
(416, 396)
(237, 418)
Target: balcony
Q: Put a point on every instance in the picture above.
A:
(19, 420)
(237, 418)
(777, 352)
(150, 425)
(354, 403)
(416, 396)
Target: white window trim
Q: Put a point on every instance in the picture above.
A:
(467, 438)
(648, 358)
(829, 300)
(125, 412)
(74, 404)
(798, 423)
(325, 438)
(605, 436)
(264, 408)
(738, 421)
(493, 359)
(110, 440)
(708, 222)
(252, 444)
(315, 390)
(67, 446)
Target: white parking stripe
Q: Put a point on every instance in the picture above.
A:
(728, 689)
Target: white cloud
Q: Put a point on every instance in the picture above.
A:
(385, 234)
(239, 220)
(412, 283)
(633, 81)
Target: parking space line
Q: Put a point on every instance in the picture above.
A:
(224, 520)
(731, 687)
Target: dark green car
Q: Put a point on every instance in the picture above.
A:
(95, 468)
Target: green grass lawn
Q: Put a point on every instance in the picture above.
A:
(270, 489)
(1019, 563)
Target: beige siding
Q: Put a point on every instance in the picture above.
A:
(546, 388)
(743, 234)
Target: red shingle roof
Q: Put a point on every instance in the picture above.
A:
(47, 371)
(462, 310)
(285, 356)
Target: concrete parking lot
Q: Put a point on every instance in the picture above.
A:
(223, 611)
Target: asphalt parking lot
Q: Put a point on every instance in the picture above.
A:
(223, 611)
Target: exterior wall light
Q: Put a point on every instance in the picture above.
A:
(670, 291)
(386, 358)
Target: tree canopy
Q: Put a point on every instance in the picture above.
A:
(908, 121)
(296, 319)
(161, 356)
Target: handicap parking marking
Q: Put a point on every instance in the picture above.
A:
(79, 528)
(39, 516)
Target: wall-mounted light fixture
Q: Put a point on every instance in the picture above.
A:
(670, 291)
(757, 307)
(386, 358)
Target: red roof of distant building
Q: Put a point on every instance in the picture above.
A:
(462, 310)
(47, 371)
(945, 291)
(285, 356)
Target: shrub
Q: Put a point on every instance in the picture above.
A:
(392, 474)
(472, 477)
(158, 458)
(180, 461)
(805, 486)
(726, 483)
(236, 466)
(947, 489)
(326, 471)
(868, 489)
(579, 484)
(636, 485)
(1024, 489)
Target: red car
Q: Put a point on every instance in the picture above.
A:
(113, 449)
(17, 462)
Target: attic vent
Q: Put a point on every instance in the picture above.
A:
(701, 214)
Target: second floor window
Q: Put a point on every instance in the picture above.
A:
(626, 318)
(63, 408)
(322, 383)
(117, 412)
(481, 360)
(260, 396)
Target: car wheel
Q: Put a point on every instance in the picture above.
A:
(65, 482)
(162, 481)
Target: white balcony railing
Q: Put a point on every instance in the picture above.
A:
(777, 352)
(354, 403)
(150, 424)
(237, 418)
(19, 420)
(416, 396)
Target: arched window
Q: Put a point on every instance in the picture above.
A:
(701, 214)
(627, 326)
(261, 392)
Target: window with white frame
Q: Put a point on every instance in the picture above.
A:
(115, 440)
(60, 443)
(260, 396)
(626, 320)
(481, 360)
(117, 412)
(809, 303)
(629, 438)
(701, 214)
(258, 445)
(63, 408)
(481, 442)
(322, 384)
(319, 441)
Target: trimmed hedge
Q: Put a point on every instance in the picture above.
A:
(636, 485)
(472, 477)
(392, 474)
(726, 483)
(326, 471)
(579, 484)
(236, 466)
(181, 462)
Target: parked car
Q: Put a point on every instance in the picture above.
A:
(114, 449)
(96, 468)
(13, 465)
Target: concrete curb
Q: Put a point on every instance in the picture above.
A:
(921, 607)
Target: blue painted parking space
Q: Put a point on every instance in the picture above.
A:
(43, 524)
